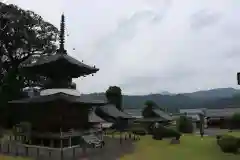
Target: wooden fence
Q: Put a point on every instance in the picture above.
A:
(12, 148)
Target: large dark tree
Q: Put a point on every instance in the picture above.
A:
(23, 35)
(114, 96)
(147, 112)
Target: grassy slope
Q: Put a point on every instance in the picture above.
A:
(191, 147)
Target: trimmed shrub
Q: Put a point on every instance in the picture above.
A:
(218, 137)
(138, 128)
(143, 126)
(184, 125)
(139, 131)
(148, 127)
(235, 121)
(229, 144)
(164, 132)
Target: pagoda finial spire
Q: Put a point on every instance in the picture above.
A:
(62, 34)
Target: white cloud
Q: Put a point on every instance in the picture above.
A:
(151, 45)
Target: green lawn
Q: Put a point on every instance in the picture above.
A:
(11, 158)
(191, 147)
(236, 134)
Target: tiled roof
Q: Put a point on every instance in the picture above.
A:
(156, 119)
(138, 113)
(163, 114)
(93, 118)
(59, 96)
(48, 63)
(111, 111)
(134, 112)
(226, 112)
(192, 111)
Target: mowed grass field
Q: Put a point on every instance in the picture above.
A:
(191, 147)
(12, 158)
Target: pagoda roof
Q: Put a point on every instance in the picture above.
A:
(59, 64)
(58, 97)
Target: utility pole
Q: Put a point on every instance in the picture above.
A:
(201, 116)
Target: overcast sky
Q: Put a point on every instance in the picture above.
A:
(150, 46)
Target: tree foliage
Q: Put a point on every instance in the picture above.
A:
(184, 124)
(165, 132)
(150, 103)
(114, 96)
(23, 35)
(235, 121)
(147, 112)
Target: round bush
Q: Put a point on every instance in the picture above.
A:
(164, 132)
(184, 125)
(139, 132)
(229, 144)
(218, 137)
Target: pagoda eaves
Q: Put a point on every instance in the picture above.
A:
(59, 64)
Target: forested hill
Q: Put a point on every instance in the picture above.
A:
(214, 93)
(216, 98)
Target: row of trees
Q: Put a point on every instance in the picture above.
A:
(114, 96)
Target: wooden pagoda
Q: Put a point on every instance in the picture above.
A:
(59, 115)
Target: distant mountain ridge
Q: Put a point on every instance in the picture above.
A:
(166, 93)
(215, 98)
(214, 93)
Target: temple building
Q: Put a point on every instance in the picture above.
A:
(59, 116)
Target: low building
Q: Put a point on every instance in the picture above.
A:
(111, 114)
(94, 120)
(220, 117)
(194, 111)
(137, 113)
